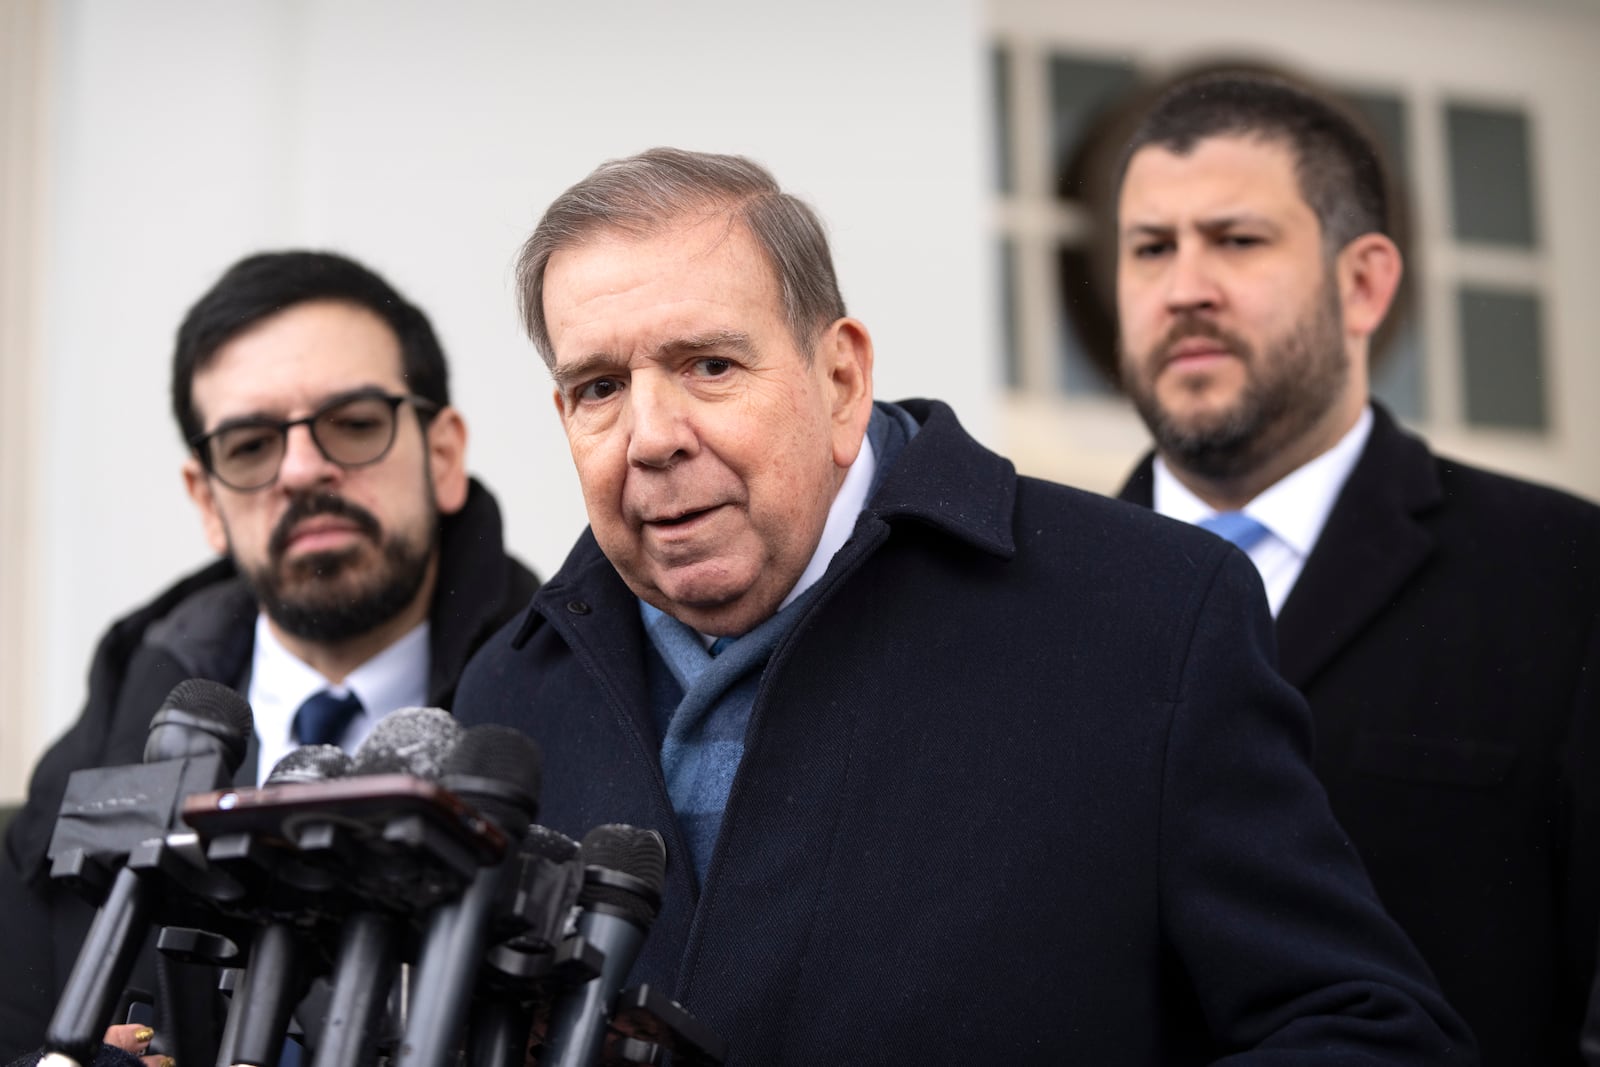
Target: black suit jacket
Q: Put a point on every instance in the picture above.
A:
(1446, 633)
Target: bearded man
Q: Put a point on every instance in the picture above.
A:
(361, 566)
(1442, 622)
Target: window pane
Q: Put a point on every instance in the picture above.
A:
(1502, 350)
(1081, 90)
(1491, 176)
(1000, 81)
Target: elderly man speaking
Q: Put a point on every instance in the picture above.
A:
(953, 766)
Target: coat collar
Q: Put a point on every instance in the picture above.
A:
(946, 480)
(1374, 541)
(479, 589)
(943, 479)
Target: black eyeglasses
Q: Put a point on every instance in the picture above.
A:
(352, 431)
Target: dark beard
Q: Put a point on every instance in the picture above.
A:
(1289, 389)
(318, 597)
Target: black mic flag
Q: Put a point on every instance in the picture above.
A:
(201, 724)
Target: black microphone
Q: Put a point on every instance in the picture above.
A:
(497, 770)
(278, 972)
(415, 742)
(532, 953)
(624, 869)
(198, 717)
(204, 726)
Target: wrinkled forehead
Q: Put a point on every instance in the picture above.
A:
(686, 269)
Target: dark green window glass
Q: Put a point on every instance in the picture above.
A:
(1491, 176)
(1502, 355)
(1080, 90)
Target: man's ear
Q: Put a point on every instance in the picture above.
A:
(1369, 269)
(200, 490)
(844, 357)
(447, 459)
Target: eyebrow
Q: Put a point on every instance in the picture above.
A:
(733, 340)
(1206, 225)
(585, 367)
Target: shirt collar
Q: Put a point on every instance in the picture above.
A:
(842, 514)
(280, 682)
(1294, 508)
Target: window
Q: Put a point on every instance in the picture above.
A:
(1059, 113)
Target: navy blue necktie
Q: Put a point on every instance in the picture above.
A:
(323, 718)
(1237, 527)
(721, 643)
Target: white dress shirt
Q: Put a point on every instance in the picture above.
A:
(1294, 509)
(280, 682)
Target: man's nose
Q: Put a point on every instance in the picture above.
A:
(1191, 280)
(662, 432)
(303, 465)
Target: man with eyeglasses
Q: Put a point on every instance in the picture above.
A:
(361, 564)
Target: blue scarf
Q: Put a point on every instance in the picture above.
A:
(703, 739)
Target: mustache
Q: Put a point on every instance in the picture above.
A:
(1189, 325)
(307, 505)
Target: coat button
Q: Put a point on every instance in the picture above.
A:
(577, 607)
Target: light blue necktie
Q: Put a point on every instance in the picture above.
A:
(323, 718)
(1237, 527)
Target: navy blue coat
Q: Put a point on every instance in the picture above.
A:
(1021, 786)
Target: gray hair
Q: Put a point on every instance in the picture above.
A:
(642, 195)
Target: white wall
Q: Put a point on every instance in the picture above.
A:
(425, 139)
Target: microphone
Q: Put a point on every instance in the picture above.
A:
(310, 763)
(497, 770)
(198, 717)
(415, 742)
(623, 874)
(202, 726)
(278, 972)
(532, 955)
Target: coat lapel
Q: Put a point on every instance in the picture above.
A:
(1373, 543)
(1141, 485)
